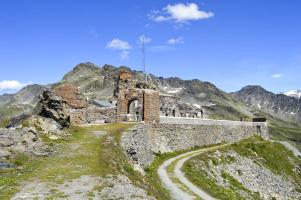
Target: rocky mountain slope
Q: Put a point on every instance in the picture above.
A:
(100, 82)
(24, 101)
(277, 105)
(250, 169)
(96, 82)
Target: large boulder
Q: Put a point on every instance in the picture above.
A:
(54, 107)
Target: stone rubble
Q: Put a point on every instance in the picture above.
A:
(21, 141)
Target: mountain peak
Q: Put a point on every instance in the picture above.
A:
(85, 66)
(253, 87)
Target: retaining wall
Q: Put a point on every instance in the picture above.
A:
(174, 134)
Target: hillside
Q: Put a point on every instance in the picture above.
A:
(100, 82)
(250, 169)
(103, 162)
(24, 101)
(94, 82)
(87, 164)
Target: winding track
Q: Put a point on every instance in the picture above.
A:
(175, 181)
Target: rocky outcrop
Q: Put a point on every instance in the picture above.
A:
(20, 141)
(54, 107)
(47, 126)
(71, 95)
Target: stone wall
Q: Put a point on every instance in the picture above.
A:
(147, 138)
(260, 127)
(151, 106)
(92, 114)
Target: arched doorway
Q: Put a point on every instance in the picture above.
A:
(135, 110)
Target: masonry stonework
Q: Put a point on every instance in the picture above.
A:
(149, 99)
(136, 101)
(145, 139)
(151, 106)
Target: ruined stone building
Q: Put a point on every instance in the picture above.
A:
(136, 101)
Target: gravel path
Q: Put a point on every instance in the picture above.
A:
(168, 178)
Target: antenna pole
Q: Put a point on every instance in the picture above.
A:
(143, 51)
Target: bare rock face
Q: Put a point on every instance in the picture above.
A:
(71, 95)
(54, 107)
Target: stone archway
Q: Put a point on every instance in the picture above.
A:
(146, 109)
(135, 110)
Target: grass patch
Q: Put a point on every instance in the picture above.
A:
(291, 134)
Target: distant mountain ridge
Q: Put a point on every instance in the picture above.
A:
(24, 101)
(278, 105)
(100, 82)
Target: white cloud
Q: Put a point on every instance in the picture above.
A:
(277, 75)
(180, 13)
(178, 40)
(124, 55)
(119, 44)
(11, 85)
(146, 39)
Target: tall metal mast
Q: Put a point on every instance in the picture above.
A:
(143, 52)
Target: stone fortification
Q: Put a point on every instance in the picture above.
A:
(174, 134)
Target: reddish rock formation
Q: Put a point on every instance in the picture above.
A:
(71, 95)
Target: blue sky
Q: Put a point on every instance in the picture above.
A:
(231, 43)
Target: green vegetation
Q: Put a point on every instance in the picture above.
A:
(292, 134)
(282, 130)
(222, 112)
(8, 111)
(82, 153)
(271, 155)
(4, 122)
